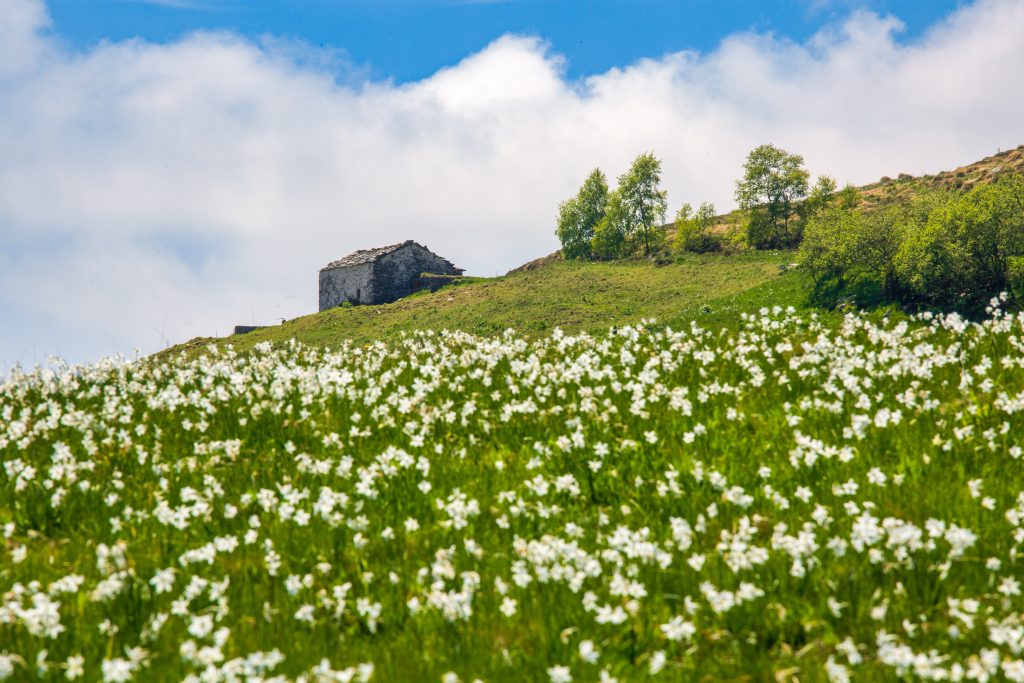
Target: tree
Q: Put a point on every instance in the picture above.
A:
(829, 248)
(840, 239)
(944, 248)
(773, 182)
(644, 203)
(820, 197)
(579, 215)
(693, 230)
(610, 237)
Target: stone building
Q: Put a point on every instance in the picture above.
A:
(381, 275)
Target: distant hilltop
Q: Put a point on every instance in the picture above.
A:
(885, 189)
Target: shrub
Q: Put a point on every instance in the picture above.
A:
(693, 230)
(945, 248)
(1015, 276)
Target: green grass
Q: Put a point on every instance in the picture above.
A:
(857, 482)
(573, 296)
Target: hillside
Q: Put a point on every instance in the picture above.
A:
(574, 296)
(547, 292)
(962, 178)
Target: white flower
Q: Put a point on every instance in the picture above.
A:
(835, 607)
(163, 580)
(508, 606)
(877, 477)
(6, 665)
(837, 673)
(588, 653)
(117, 670)
(657, 662)
(678, 629)
(560, 674)
(74, 667)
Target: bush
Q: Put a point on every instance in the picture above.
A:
(693, 230)
(609, 240)
(1015, 276)
(959, 255)
(946, 249)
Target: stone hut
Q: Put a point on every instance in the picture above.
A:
(381, 275)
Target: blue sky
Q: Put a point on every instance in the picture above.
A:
(411, 39)
(171, 169)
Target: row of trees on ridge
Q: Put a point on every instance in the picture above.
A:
(940, 248)
(774, 193)
(600, 224)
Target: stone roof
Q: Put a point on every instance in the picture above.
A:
(365, 256)
(370, 255)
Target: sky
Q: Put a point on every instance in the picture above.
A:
(171, 168)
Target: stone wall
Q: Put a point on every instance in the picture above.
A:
(338, 285)
(398, 274)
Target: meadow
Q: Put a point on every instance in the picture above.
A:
(795, 497)
(571, 295)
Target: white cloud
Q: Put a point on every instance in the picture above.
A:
(152, 192)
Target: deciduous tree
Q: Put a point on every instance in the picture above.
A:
(579, 215)
(644, 203)
(773, 182)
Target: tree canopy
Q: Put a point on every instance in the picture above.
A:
(944, 248)
(644, 203)
(773, 182)
(579, 215)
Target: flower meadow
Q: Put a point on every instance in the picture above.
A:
(801, 498)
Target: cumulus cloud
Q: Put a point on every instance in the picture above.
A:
(154, 192)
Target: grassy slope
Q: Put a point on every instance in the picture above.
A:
(711, 289)
(548, 293)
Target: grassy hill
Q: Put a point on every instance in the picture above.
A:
(804, 498)
(710, 289)
(548, 292)
(962, 178)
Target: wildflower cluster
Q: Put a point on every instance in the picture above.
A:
(842, 498)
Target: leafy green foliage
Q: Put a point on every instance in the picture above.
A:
(693, 230)
(1015, 276)
(644, 203)
(821, 196)
(945, 248)
(596, 224)
(836, 235)
(959, 255)
(773, 183)
(611, 236)
(579, 215)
